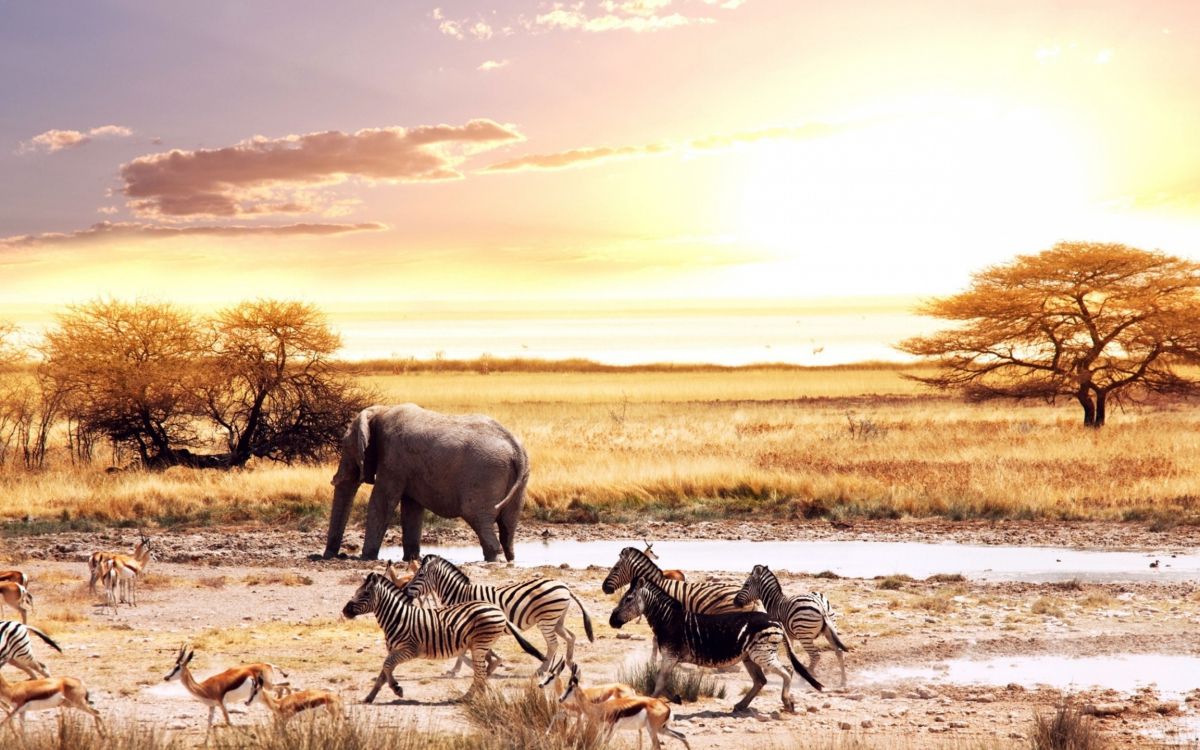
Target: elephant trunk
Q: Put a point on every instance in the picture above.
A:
(339, 514)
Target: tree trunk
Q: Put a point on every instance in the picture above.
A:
(1089, 408)
(1101, 397)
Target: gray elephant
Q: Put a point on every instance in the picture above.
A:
(466, 467)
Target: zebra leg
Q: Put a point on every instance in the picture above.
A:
(834, 641)
(759, 678)
(385, 674)
(479, 661)
(562, 629)
(493, 661)
(32, 667)
(814, 653)
(457, 663)
(664, 671)
(548, 632)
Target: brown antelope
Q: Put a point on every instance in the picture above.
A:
(235, 683)
(594, 694)
(401, 581)
(15, 576)
(122, 571)
(674, 575)
(636, 713)
(18, 597)
(43, 694)
(285, 706)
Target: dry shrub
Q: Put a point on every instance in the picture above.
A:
(946, 578)
(1044, 605)
(1065, 729)
(893, 582)
(212, 582)
(277, 578)
(152, 580)
(75, 732)
(687, 684)
(519, 720)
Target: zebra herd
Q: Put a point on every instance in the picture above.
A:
(437, 612)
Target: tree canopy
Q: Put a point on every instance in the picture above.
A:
(1097, 322)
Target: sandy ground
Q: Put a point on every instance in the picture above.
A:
(252, 595)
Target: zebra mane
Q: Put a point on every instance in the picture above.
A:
(448, 569)
(656, 592)
(767, 582)
(639, 558)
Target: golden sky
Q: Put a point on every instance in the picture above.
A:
(636, 153)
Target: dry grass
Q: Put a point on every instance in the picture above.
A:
(1066, 729)
(277, 578)
(837, 443)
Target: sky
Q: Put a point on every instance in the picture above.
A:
(559, 157)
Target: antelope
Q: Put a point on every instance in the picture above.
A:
(594, 694)
(125, 570)
(286, 706)
(637, 712)
(46, 693)
(674, 575)
(235, 683)
(15, 576)
(401, 581)
(18, 597)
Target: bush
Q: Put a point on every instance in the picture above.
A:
(688, 685)
(1065, 729)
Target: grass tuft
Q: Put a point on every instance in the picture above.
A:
(1065, 729)
(689, 685)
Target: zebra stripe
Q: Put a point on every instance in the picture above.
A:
(542, 601)
(805, 616)
(413, 632)
(704, 598)
(16, 648)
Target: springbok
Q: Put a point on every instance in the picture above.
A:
(15, 576)
(285, 706)
(674, 575)
(125, 570)
(236, 683)
(637, 712)
(43, 694)
(18, 597)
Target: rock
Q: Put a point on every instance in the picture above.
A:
(1104, 709)
(564, 566)
(959, 725)
(866, 723)
(623, 636)
(939, 729)
(845, 726)
(887, 694)
(981, 699)
(926, 693)
(811, 709)
(855, 697)
(1167, 708)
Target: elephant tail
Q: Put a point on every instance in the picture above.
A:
(522, 466)
(526, 645)
(587, 620)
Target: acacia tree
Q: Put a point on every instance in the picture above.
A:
(1096, 322)
(129, 371)
(271, 386)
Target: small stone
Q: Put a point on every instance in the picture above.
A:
(926, 693)
(1167, 708)
(938, 729)
(855, 697)
(623, 636)
(811, 709)
(866, 723)
(845, 726)
(564, 566)
(959, 725)
(1104, 709)
(887, 694)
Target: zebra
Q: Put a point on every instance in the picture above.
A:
(704, 598)
(413, 632)
(16, 648)
(804, 617)
(541, 601)
(752, 638)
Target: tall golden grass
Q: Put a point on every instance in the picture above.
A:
(787, 443)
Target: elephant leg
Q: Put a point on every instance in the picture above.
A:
(412, 516)
(339, 514)
(485, 529)
(507, 522)
(380, 508)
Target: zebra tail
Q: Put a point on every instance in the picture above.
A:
(800, 668)
(44, 637)
(526, 645)
(833, 637)
(587, 620)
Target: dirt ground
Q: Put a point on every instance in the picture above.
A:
(242, 595)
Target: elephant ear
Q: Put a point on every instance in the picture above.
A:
(358, 451)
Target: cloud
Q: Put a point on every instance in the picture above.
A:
(57, 140)
(107, 230)
(591, 16)
(460, 29)
(490, 65)
(576, 157)
(265, 176)
(597, 154)
(637, 17)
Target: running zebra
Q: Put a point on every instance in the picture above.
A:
(542, 601)
(704, 598)
(804, 617)
(752, 638)
(412, 632)
(16, 648)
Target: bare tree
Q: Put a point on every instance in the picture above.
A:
(1096, 322)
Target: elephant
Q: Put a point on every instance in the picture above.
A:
(457, 466)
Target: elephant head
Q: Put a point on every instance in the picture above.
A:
(357, 465)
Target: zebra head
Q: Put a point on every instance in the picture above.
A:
(182, 659)
(365, 597)
(430, 578)
(631, 606)
(752, 589)
(631, 563)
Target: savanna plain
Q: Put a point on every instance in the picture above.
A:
(846, 453)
